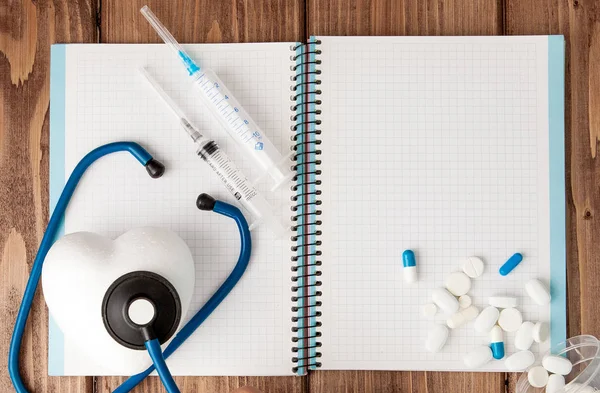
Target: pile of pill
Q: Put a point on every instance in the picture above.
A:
(499, 317)
(551, 374)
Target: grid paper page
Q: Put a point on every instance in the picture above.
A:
(107, 100)
(439, 145)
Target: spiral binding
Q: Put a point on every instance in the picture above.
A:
(306, 109)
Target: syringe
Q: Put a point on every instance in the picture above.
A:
(229, 112)
(231, 176)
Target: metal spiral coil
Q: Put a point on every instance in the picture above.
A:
(305, 108)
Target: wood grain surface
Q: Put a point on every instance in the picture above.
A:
(28, 28)
(579, 22)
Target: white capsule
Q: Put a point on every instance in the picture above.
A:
(519, 361)
(409, 261)
(487, 319)
(436, 338)
(538, 292)
(478, 357)
(458, 283)
(496, 335)
(456, 320)
(470, 313)
(444, 300)
(497, 342)
(510, 319)
(557, 364)
(524, 336)
(463, 316)
(556, 383)
(429, 310)
(537, 377)
(410, 274)
(541, 332)
(503, 302)
(464, 301)
(473, 267)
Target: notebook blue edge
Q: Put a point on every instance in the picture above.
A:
(57, 180)
(558, 246)
(556, 107)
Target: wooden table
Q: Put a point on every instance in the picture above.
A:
(28, 28)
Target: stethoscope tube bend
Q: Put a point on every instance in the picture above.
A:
(155, 169)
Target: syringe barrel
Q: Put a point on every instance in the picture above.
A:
(239, 186)
(240, 126)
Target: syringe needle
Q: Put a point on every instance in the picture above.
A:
(183, 120)
(162, 31)
(163, 94)
(230, 113)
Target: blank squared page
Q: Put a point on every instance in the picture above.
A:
(107, 100)
(439, 145)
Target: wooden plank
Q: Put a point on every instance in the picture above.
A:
(203, 21)
(27, 29)
(404, 17)
(578, 21)
(408, 17)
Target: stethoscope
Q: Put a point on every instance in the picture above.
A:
(153, 289)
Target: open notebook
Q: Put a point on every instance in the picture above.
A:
(449, 146)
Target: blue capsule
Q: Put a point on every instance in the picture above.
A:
(408, 258)
(512, 263)
(410, 266)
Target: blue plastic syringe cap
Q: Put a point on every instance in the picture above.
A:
(190, 65)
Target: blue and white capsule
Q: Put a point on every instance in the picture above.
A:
(410, 266)
(497, 342)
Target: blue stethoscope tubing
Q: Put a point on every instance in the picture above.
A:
(153, 347)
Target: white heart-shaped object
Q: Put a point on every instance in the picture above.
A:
(81, 266)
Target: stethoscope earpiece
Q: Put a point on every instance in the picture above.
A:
(205, 202)
(155, 168)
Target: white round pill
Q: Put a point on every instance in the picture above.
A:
(503, 302)
(519, 361)
(436, 338)
(524, 336)
(445, 301)
(429, 310)
(458, 283)
(510, 319)
(541, 332)
(464, 301)
(556, 382)
(557, 364)
(478, 357)
(538, 292)
(486, 319)
(473, 267)
(538, 377)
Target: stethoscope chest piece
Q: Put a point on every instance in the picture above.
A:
(141, 306)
